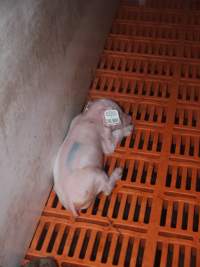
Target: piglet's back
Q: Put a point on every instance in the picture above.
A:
(81, 148)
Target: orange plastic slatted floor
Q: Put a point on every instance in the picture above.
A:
(151, 67)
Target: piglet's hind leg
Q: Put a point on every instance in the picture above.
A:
(116, 175)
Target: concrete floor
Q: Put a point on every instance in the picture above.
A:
(44, 80)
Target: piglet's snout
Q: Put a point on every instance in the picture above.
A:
(127, 120)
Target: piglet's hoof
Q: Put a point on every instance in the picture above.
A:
(42, 262)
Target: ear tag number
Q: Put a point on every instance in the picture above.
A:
(111, 117)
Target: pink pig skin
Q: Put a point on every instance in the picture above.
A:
(78, 171)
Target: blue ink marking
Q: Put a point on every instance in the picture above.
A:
(72, 153)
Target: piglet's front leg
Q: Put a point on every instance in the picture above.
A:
(107, 141)
(120, 133)
(127, 130)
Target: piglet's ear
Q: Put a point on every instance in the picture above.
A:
(87, 106)
(89, 103)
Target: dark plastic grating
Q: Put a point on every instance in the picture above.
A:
(150, 66)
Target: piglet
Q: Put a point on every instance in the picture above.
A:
(78, 171)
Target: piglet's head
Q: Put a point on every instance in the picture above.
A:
(108, 113)
(126, 119)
